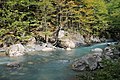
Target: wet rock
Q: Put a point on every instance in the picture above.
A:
(16, 50)
(97, 50)
(13, 65)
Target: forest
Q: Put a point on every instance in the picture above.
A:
(21, 19)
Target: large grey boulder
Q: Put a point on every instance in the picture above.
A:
(95, 39)
(108, 52)
(79, 65)
(16, 50)
(90, 61)
(97, 51)
(66, 43)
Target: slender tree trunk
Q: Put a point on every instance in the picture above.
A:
(45, 24)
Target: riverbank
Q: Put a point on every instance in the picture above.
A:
(66, 41)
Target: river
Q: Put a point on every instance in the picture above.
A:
(55, 65)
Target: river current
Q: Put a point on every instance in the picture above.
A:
(55, 65)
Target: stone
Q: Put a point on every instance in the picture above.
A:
(16, 50)
(97, 54)
(66, 43)
(89, 61)
(13, 65)
(79, 65)
(61, 34)
(108, 49)
(97, 50)
(68, 49)
(31, 41)
(47, 49)
(95, 39)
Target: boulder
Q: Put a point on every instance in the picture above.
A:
(95, 39)
(68, 49)
(67, 43)
(47, 49)
(79, 65)
(31, 41)
(90, 61)
(16, 50)
(108, 53)
(97, 50)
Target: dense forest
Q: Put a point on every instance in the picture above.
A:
(21, 19)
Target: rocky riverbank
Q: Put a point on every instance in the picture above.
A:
(93, 61)
(67, 41)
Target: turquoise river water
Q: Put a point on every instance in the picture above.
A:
(55, 65)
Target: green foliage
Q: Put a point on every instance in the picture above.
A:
(24, 17)
(114, 18)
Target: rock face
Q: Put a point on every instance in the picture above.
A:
(16, 50)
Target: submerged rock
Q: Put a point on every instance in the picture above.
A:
(13, 65)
